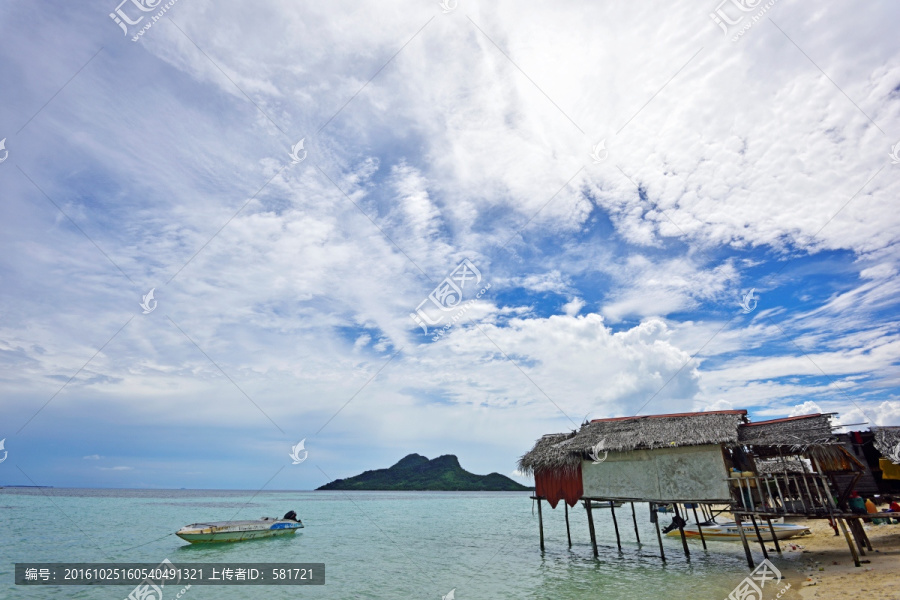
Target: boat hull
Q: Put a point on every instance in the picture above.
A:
(232, 536)
(236, 531)
(730, 532)
(605, 504)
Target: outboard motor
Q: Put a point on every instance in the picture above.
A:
(291, 516)
(677, 523)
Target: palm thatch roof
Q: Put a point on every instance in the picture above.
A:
(546, 454)
(781, 465)
(793, 433)
(887, 441)
(622, 434)
(831, 458)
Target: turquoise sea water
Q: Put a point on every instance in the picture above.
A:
(374, 545)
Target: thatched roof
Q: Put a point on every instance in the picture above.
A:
(780, 465)
(887, 441)
(797, 433)
(566, 451)
(833, 458)
(545, 453)
(829, 458)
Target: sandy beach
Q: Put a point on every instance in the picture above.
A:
(827, 571)
(824, 569)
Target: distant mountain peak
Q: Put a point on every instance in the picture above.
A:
(449, 460)
(415, 472)
(410, 460)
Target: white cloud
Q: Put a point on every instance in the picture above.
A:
(450, 151)
(720, 404)
(362, 341)
(655, 288)
(807, 408)
(550, 281)
(576, 361)
(573, 306)
(888, 413)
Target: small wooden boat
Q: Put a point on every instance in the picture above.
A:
(729, 531)
(604, 503)
(238, 531)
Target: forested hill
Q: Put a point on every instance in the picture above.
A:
(416, 473)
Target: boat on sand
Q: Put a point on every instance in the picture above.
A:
(730, 532)
(238, 531)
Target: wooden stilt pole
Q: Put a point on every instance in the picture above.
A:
(849, 542)
(590, 516)
(541, 523)
(612, 509)
(737, 521)
(774, 537)
(857, 531)
(865, 536)
(762, 544)
(634, 518)
(662, 553)
(699, 528)
(568, 532)
(687, 551)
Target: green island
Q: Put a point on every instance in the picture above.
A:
(416, 473)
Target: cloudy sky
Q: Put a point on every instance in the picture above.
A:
(659, 213)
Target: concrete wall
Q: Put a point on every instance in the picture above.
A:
(664, 474)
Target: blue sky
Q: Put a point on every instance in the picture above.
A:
(283, 291)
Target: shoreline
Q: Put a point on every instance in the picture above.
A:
(824, 570)
(821, 566)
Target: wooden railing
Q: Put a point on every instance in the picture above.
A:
(783, 494)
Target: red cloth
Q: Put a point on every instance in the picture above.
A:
(558, 485)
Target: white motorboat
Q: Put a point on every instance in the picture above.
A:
(604, 503)
(238, 531)
(729, 531)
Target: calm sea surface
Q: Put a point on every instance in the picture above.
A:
(374, 545)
